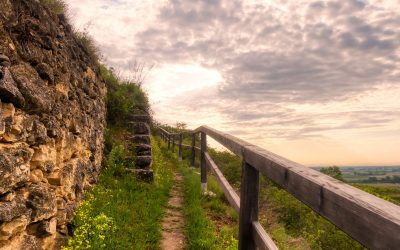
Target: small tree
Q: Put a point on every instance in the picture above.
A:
(181, 126)
(334, 172)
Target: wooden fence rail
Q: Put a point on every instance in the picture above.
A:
(370, 220)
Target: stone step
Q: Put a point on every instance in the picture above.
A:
(144, 153)
(139, 118)
(141, 139)
(143, 162)
(139, 128)
(142, 174)
(143, 149)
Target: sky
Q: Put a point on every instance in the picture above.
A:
(317, 82)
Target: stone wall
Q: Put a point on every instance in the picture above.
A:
(52, 119)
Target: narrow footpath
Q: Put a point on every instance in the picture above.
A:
(173, 222)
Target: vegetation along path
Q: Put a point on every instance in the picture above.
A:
(173, 221)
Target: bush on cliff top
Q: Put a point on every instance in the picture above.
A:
(56, 6)
(123, 99)
(60, 7)
(89, 45)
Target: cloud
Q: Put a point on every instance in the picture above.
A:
(289, 69)
(326, 50)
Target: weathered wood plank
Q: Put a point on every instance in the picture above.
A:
(193, 158)
(180, 147)
(173, 143)
(230, 142)
(164, 131)
(203, 164)
(229, 192)
(249, 189)
(262, 239)
(370, 220)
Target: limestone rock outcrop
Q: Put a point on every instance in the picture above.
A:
(52, 120)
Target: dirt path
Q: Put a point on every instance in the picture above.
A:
(173, 222)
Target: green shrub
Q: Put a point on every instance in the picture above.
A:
(91, 230)
(123, 99)
(334, 172)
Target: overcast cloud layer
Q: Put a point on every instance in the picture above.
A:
(315, 81)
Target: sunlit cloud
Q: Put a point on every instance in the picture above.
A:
(316, 81)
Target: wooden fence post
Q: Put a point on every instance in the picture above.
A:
(193, 150)
(169, 141)
(248, 206)
(180, 146)
(173, 143)
(203, 161)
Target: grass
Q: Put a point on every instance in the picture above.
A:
(299, 222)
(88, 44)
(131, 208)
(291, 224)
(56, 6)
(210, 222)
(121, 212)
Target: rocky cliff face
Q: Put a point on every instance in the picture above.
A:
(52, 119)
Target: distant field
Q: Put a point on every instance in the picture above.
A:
(371, 175)
(381, 181)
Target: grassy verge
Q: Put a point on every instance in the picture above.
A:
(290, 223)
(210, 222)
(122, 212)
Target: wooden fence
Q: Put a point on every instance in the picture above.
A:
(372, 221)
